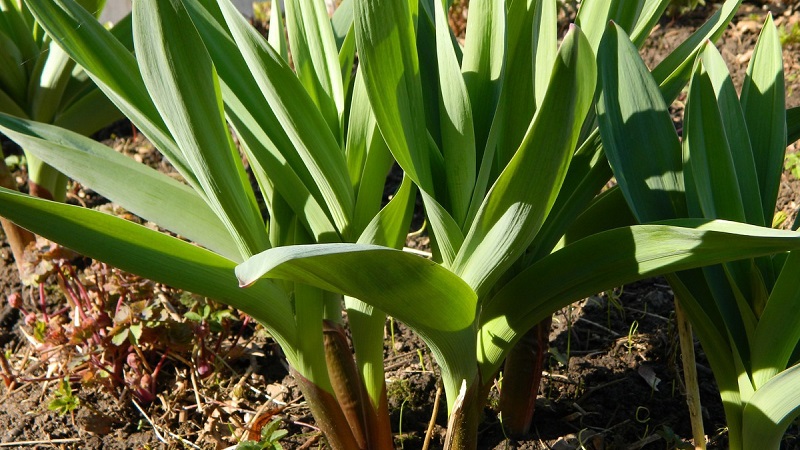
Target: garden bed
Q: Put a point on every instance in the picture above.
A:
(612, 380)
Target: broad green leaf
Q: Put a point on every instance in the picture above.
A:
(735, 128)
(302, 122)
(89, 114)
(588, 173)
(12, 77)
(342, 21)
(607, 211)
(545, 47)
(389, 227)
(392, 280)
(397, 283)
(778, 330)
(764, 107)
(638, 135)
(613, 258)
(9, 106)
(274, 173)
(263, 137)
(19, 31)
(178, 72)
(368, 158)
(455, 121)
(593, 17)
(316, 59)
(152, 255)
(716, 151)
(277, 31)
(513, 117)
(347, 57)
(707, 156)
(47, 85)
(385, 41)
(112, 67)
(482, 64)
(771, 410)
(447, 237)
(522, 196)
(157, 197)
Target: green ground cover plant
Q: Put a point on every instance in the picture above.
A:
(497, 136)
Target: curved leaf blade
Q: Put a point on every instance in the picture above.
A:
(764, 105)
(638, 136)
(613, 258)
(518, 203)
(157, 197)
(151, 254)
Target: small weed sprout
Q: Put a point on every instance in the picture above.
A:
(64, 401)
(631, 332)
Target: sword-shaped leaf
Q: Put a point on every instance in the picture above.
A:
(182, 81)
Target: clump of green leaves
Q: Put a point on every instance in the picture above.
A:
(271, 434)
(493, 138)
(64, 400)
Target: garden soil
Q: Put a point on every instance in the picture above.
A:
(612, 380)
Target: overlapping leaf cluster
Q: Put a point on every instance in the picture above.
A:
(499, 136)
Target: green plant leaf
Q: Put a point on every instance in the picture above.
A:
(455, 121)
(276, 163)
(778, 330)
(368, 157)
(709, 166)
(88, 114)
(302, 122)
(650, 14)
(588, 173)
(613, 258)
(12, 77)
(763, 102)
(637, 132)
(482, 65)
(152, 255)
(771, 410)
(385, 40)
(735, 128)
(393, 281)
(178, 73)
(793, 124)
(316, 59)
(157, 197)
(518, 203)
(19, 31)
(111, 65)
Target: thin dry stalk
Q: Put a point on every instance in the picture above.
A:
(432, 423)
(690, 377)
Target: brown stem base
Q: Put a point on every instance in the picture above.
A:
(18, 238)
(522, 375)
